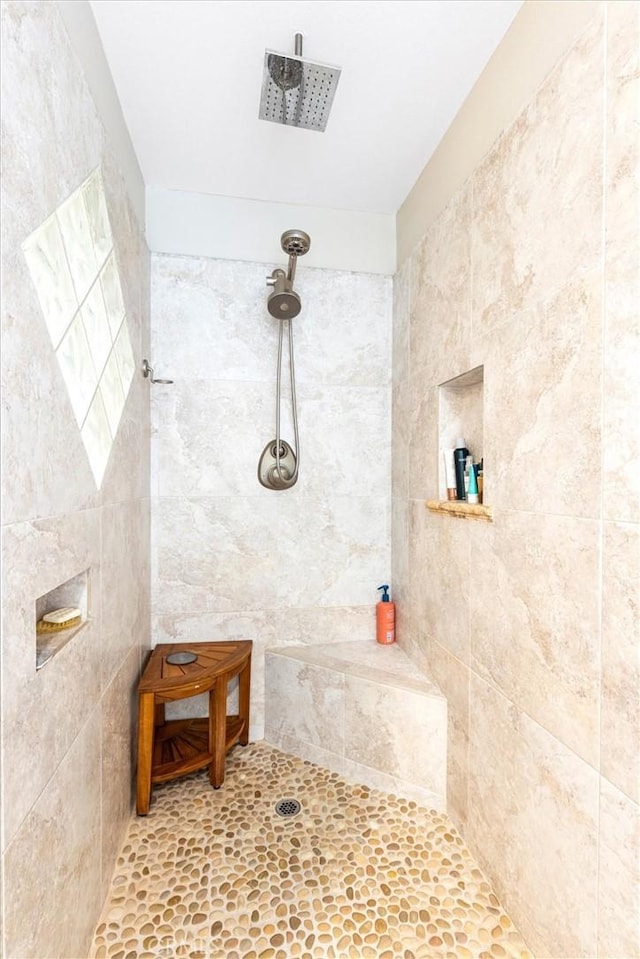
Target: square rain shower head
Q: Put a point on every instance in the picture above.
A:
(297, 92)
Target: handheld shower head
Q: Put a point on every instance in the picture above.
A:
(284, 303)
(295, 242)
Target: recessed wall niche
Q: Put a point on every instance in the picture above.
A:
(74, 592)
(460, 415)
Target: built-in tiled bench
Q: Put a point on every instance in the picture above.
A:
(362, 710)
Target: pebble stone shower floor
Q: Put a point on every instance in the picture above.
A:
(356, 874)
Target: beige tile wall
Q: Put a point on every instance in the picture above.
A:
(363, 711)
(232, 560)
(530, 625)
(67, 729)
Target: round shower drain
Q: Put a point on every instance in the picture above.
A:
(288, 807)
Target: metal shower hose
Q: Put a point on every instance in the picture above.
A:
(294, 404)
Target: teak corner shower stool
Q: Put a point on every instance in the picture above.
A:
(168, 749)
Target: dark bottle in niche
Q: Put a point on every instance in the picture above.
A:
(460, 454)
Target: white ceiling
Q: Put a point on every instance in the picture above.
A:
(189, 73)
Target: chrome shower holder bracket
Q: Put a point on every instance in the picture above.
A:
(274, 475)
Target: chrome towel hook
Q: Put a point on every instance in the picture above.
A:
(147, 371)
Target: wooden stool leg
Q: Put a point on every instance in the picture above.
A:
(146, 717)
(244, 696)
(218, 731)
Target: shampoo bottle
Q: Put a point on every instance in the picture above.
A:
(385, 619)
(460, 458)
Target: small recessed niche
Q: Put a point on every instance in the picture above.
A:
(460, 416)
(75, 592)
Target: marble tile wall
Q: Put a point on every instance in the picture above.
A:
(66, 730)
(232, 560)
(364, 712)
(531, 625)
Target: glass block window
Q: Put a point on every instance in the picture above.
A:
(75, 273)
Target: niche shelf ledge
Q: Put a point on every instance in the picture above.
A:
(48, 644)
(75, 592)
(460, 509)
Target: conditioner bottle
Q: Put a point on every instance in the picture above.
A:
(385, 619)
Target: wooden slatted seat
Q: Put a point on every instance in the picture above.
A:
(167, 750)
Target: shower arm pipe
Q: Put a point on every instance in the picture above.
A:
(291, 271)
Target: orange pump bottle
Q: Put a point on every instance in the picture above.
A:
(385, 619)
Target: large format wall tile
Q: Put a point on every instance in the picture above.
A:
(542, 604)
(343, 333)
(620, 700)
(209, 320)
(228, 555)
(53, 894)
(270, 627)
(621, 399)
(266, 628)
(126, 476)
(400, 380)
(53, 139)
(40, 437)
(439, 555)
(305, 701)
(411, 615)
(118, 754)
(390, 723)
(441, 300)
(535, 621)
(400, 433)
(397, 731)
(44, 711)
(537, 210)
(542, 445)
(533, 823)
(399, 555)
(234, 553)
(208, 436)
(400, 333)
(439, 337)
(124, 581)
(452, 677)
(422, 436)
(344, 440)
(619, 886)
